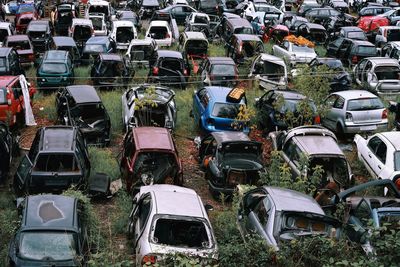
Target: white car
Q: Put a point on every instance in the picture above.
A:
(99, 6)
(380, 154)
(122, 32)
(263, 11)
(293, 53)
(168, 219)
(6, 29)
(99, 23)
(159, 31)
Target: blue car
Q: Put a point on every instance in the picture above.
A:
(216, 109)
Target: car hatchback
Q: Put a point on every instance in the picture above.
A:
(56, 70)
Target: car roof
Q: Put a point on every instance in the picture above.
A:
(123, 23)
(4, 51)
(195, 35)
(355, 94)
(152, 138)
(219, 93)
(142, 42)
(247, 37)
(217, 60)
(83, 94)
(64, 41)
(396, 43)
(393, 137)
(272, 58)
(55, 55)
(290, 200)
(159, 23)
(58, 138)
(5, 24)
(361, 42)
(50, 211)
(351, 29)
(97, 40)
(319, 144)
(110, 56)
(5, 80)
(383, 60)
(169, 53)
(18, 37)
(229, 136)
(290, 94)
(169, 200)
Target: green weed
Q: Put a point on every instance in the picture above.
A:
(102, 160)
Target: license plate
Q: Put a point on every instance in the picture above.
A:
(368, 128)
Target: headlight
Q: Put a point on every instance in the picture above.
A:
(43, 79)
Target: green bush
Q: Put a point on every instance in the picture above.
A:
(112, 102)
(121, 212)
(102, 160)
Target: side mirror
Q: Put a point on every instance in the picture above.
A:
(208, 207)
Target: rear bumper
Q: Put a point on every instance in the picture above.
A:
(358, 128)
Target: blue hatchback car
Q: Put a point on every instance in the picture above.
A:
(215, 110)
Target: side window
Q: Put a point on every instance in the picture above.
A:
(330, 101)
(363, 212)
(292, 152)
(17, 89)
(35, 147)
(374, 143)
(381, 152)
(339, 103)
(261, 211)
(286, 45)
(144, 211)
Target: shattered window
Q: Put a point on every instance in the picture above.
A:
(190, 233)
(47, 245)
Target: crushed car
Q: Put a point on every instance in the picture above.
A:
(230, 159)
(270, 71)
(295, 50)
(80, 106)
(149, 156)
(140, 52)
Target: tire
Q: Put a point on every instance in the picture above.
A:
(339, 132)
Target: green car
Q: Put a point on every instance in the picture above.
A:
(56, 70)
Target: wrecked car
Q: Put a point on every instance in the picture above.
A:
(66, 44)
(194, 45)
(99, 24)
(380, 154)
(6, 29)
(350, 51)
(387, 34)
(229, 159)
(242, 47)
(39, 33)
(64, 15)
(354, 111)
(140, 52)
(160, 31)
(149, 156)
(379, 75)
(313, 32)
(95, 46)
(158, 228)
(295, 51)
(8, 149)
(320, 147)
(220, 71)
(110, 71)
(169, 68)
(270, 71)
(149, 106)
(57, 160)
(198, 22)
(9, 61)
(123, 31)
(340, 79)
(280, 215)
(80, 105)
(52, 229)
(275, 104)
(81, 30)
(216, 108)
(24, 48)
(12, 100)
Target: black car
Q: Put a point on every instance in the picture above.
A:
(208, 6)
(66, 44)
(39, 33)
(229, 159)
(273, 107)
(340, 79)
(305, 6)
(220, 71)
(96, 45)
(168, 68)
(63, 18)
(80, 105)
(313, 32)
(353, 32)
(339, 5)
(58, 159)
(53, 231)
(350, 51)
(110, 71)
(320, 15)
(8, 147)
(147, 8)
(9, 62)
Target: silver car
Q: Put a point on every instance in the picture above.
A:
(355, 111)
(380, 75)
(168, 219)
(279, 215)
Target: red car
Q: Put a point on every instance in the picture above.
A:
(370, 25)
(23, 20)
(277, 33)
(12, 103)
(23, 46)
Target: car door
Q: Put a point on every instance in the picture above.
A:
(22, 174)
(266, 109)
(291, 153)
(328, 120)
(333, 47)
(358, 70)
(127, 104)
(140, 220)
(200, 101)
(208, 147)
(178, 14)
(369, 157)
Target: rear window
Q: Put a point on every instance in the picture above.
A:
(56, 163)
(94, 48)
(356, 35)
(97, 23)
(226, 110)
(20, 45)
(364, 104)
(393, 35)
(366, 50)
(3, 34)
(181, 233)
(159, 32)
(223, 69)
(243, 30)
(387, 72)
(208, 3)
(24, 21)
(171, 64)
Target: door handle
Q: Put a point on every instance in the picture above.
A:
(369, 155)
(379, 167)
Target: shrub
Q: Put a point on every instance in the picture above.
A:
(102, 160)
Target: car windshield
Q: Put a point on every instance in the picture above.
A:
(240, 149)
(19, 45)
(56, 163)
(25, 9)
(366, 50)
(389, 218)
(334, 64)
(387, 72)
(223, 69)
(97, 23)
(304, 49)
(397, 161)
(94, 48)
(159, 166)
(364, 104)
(226, 110)
(54, 68)
(181, 232)
(47, 245)
(356, 35)
(24, 21)
(37, 34)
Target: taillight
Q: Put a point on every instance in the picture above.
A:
(149, 259)
(317, 120)
(210, 121)
(212, 77)
(384, 114)
(349, 117)
(397, 183)
(155, 70)
(354, 59)
(240, 47)
(185, 72)
(9, 101)
(167, 35)
(31, 57)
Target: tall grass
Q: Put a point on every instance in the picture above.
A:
(185, 124)
(112, 102)
(47, 106)
(9, 223)
(103, 160)
(82, 74)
